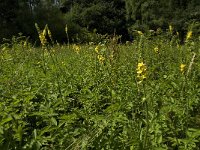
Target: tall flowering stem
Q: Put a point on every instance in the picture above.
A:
(141, 76)
(66, 31)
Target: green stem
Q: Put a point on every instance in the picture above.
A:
(147, 119)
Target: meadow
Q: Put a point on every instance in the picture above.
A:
(142, 95)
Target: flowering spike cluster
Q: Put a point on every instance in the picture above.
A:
(141, 71)
(100, 56)
(42, 35)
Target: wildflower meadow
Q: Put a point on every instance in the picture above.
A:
(140, 95)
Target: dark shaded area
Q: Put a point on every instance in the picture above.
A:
(86, 18)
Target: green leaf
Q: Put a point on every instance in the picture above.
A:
(19, 133)
(1, 130)
(5, 120)
(160, 139)
(53, 120)
(44, 130)
(35, 134)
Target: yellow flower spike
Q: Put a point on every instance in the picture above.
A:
(182, 68)
(49, 34)
(141, 71)
(189, 35)
(101, 58)
(43, 39)
(44, 32)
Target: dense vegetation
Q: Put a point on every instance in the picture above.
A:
(142, 95)
(88, 17)
(67, 82)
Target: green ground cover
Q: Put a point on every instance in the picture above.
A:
(134, 96)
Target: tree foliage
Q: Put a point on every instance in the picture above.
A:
(106, 17)
(151, 14)
(96, 16)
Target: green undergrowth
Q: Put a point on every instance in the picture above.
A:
(73, 97)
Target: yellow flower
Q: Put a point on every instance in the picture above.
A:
(43, 39)
(101, 58)
(141, 67)
(42, 35)
(140, 32)
(141, 71)
(44, 32)
(97, 49)
(189, 35)
(156, 49)
(140, 64)
(182, 68)
(141, 77)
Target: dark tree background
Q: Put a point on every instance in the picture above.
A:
(151, 14)
(95, 16)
